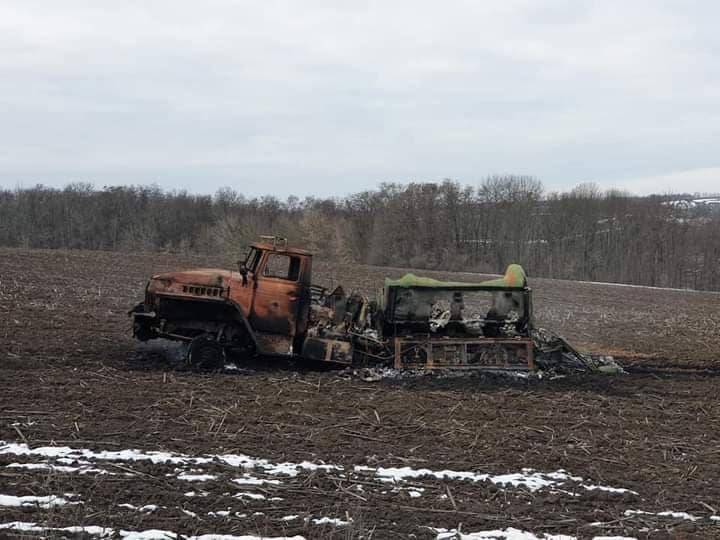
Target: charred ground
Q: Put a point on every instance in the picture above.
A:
(70, 375)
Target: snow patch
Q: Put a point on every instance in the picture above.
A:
(234, 460)
(244, 537)
(505, 534)
(528, 478)
(512, 534)
(151, 534)
(196, 493)
(248, 480)
(148, 508)
(559, 481)
(22, 449)
(196, 477)
(247, 495)
(330, 521)
(48, 501)
(285, 469)
(33, 527)
(609, 489)
(670, 514)
(219, 513)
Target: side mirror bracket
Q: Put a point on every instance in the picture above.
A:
(243, 272)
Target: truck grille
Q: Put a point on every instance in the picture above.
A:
(203, 291)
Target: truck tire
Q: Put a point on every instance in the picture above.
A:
(142, 332)
(205, 353)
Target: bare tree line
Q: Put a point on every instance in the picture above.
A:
(581, 234)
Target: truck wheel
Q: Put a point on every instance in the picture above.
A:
(142, 332)
(205, 353)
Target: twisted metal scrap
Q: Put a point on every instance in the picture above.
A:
(554, 353)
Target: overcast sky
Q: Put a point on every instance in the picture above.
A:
(332, 97)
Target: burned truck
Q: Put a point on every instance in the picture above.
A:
(269, 307)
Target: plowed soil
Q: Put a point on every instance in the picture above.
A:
(636, 455)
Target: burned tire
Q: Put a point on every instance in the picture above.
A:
(142, 332)
(206, 354)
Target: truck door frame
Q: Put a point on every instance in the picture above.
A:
(276, 300)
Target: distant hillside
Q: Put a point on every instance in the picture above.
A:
(584, 234)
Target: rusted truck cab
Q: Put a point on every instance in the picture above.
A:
(262, 307)
(274, 294)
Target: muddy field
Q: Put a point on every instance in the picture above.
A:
(100, 437)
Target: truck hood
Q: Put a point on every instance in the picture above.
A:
(207, 277)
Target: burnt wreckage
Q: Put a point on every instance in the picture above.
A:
(270, 307)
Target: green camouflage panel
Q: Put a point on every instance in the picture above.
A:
(514, 278)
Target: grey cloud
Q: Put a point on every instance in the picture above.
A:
(328, 98)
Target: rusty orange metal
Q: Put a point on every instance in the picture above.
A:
(276, 305)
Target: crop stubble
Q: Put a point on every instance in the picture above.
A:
(71, 375)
